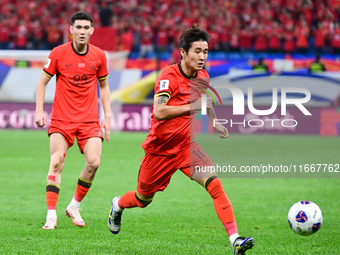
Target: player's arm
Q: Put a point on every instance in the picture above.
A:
(105, 99)
(40, 117)
(163, 111)
(222, 130)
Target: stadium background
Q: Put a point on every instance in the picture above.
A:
(140, 40)
(242, 32)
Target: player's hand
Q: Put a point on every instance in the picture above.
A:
(106, 124)
(40, 119)
(222, 130)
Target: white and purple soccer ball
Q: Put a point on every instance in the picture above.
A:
(305, 218)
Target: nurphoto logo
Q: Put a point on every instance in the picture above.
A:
(239, 105)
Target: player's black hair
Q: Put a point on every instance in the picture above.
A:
(81, 16)
(193, 34)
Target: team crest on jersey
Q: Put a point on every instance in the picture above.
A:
(48, 62)
(164, 84)
(93, 65)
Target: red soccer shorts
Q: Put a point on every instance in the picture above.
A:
(156, 170)
(82, 131)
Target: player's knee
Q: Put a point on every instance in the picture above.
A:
(57, 161)
(143, 202)
(209, 180)
(214, 186)
(93, 164)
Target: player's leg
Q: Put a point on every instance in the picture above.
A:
(225, 212)
(199, 163)
(133, 199)
(202, 172)
(58, 149)
(130, 199)
(92, 152)
(154, 175)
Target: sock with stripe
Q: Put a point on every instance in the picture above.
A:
(131, 200)
(82, 188)
(52, 193)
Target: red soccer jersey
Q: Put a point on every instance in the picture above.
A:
(302, 34)
(246, 39)
(168, 137)
(260, 40)
(76, 95)
(335, 41)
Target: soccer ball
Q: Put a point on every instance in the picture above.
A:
(305, 218)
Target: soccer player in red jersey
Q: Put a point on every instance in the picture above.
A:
(170, 145)
(77, 66)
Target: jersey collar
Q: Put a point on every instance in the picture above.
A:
(80, 54)
(182, 72)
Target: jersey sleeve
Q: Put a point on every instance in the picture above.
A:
(50, 67)
(103, 72)
(165, 84)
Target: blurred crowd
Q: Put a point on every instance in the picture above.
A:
(148, 25)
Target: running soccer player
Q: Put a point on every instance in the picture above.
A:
(170, 145)
(77, 65)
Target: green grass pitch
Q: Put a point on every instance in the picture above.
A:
(180, 220)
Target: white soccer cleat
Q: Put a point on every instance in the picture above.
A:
(115, 216)
(51, 223)
(75, 215)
